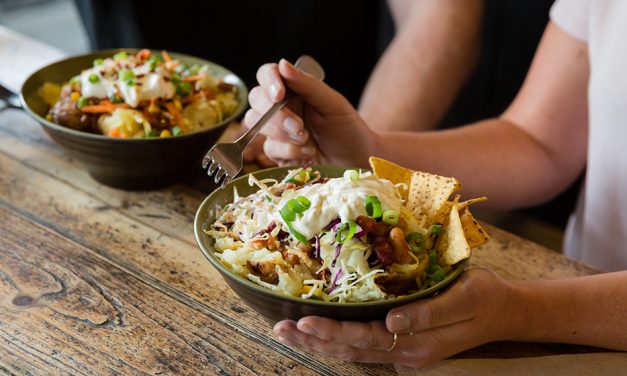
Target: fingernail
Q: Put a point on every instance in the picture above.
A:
(292, 126)
(308, 329)
(308, 150)
(274, 91)
(399, 321)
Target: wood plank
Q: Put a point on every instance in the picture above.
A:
(63, 201)
(65, 309)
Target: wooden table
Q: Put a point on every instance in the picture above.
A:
(95, 280)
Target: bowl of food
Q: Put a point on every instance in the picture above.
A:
(136, 119)
(336, 242)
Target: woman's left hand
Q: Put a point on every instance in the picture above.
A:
(475, 310)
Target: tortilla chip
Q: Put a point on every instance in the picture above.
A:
(475, 234)
(428, 193)
(454, 242)
(391, 171)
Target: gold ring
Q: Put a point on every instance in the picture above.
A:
(393, 343)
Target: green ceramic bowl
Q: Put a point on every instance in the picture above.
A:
(275, 306)
(127, 163)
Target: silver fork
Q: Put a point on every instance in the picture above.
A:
(225, 160)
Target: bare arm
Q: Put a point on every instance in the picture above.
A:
(420, 74)
(527, 155)
(530, 153)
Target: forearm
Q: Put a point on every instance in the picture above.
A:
(587, 310)
(421, 72)
(485, 157)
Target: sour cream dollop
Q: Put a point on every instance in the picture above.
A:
(147, 84)
(339, 197)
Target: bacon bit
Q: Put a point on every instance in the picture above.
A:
(143, 54)
(197, 77)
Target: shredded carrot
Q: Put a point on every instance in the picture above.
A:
(196, 77)
(176, 114)
(103, 108)
(166, 56)
(143, 54)
(114, 132)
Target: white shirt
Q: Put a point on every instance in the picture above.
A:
(597, 232)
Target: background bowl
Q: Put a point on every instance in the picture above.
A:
(273, 305)
(127, 163)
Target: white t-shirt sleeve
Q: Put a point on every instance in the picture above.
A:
(572, 16)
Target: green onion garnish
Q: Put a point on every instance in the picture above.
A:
(373, 207)
(98, 62)
(351, 175)
(300, 237)
(120, 55)
(176, 130)
(152, 133)
(93, 78)
(436, 229)
(304, 201)
(390, 217)
(115, 98)
(127, 74)
(414, 240)
(438, 276)
(184, 88)
(433, 258)
(287, 214)
(82, 102)
(346, 231)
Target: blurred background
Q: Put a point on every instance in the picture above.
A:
(501, 68)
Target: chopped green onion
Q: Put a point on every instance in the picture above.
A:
(120, 55)
(436, 229)
(300, 237)
(184, 88)
(433, 269)
(287, 213)
(82, 102)
(93, 78)
(414, 240)
(115, 98)
(351, 175)
(152, 133)
(130, 82)
(295, 206)
(176, 131)
(268, 198)
(126, 74)
(98, 62)
(433, 258)
(302, 176)
(304, 201)
(390, 217)
(438, 276)
(346, 231)
(373, 207)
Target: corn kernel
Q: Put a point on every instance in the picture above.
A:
(165, 133)
(177, 104)
(75, 95)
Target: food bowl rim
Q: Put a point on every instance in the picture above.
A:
(99, 137)
(225, 271)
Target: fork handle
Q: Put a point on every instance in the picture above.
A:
(252, 132)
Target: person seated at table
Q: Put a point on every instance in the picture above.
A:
(569, 116)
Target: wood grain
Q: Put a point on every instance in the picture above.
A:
(157, 249)
(99, 280)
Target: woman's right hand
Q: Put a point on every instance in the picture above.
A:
(320, 124)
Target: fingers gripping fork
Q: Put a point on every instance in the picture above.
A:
(225, 160)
